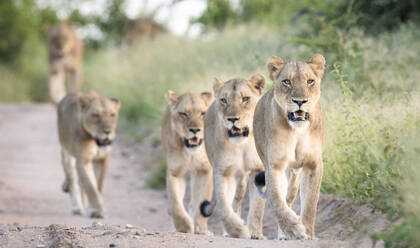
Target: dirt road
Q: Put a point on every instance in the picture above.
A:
(31, 199)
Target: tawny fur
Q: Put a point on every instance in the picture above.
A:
(65, 50)
(86, 126)
(292, 151)
(183, 119)
(234, 159)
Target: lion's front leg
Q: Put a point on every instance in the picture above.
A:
(293, 176)
(57, 87)
(75, 79)
(224, 186)
(240, 193)
(175, 184)
(100, 167)
(201, 189)
(310, 187)
(89, 185)
(70, 184)
(287, 219)
(256, 211)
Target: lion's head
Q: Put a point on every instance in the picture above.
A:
(60, 37)
(297, 87)
(236, 100)
(187, 113)
(100, 117)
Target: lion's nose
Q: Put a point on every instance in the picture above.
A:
(195, 130)
(107, 131)
(300, 102)
(233, 119)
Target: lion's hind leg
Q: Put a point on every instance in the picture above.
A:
(71, 184)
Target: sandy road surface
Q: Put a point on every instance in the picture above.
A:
(31, 199)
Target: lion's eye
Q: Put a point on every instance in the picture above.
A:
(310, 82)
(112, 115)
(183, 115)
(245, 99)
(287, 83)
(223, 100)
(96, 116)
(203, 113)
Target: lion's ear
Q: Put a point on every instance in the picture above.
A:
(258, 82)
(317, 63)
(207, 97)
(274, 66)
(171, 97)
(85, 102)
(116, 102)
(217, 85)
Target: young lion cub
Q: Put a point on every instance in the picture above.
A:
(182, 139)
(231, 150)
(289, 131)
(86, 128)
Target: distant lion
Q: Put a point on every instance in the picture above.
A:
(86, 129)
(289, 128)
(65, 50)
(229, 139)
(182, 139)
(142, 28)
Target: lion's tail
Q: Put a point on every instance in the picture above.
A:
(207, 208)
(259, 182)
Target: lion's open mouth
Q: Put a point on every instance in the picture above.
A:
(238, 132)
(105, 142)
(298, 116)
(192, 142)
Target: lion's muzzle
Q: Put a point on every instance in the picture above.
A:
(238, 132)
(103, 142)
(192, 142)
(298, 116)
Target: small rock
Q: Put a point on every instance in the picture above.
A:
(210, 241)
(128, 226)
(97, 224)
(40, 246)
(152, 210)
(137, 233)
(2, 232)
(19, 228)
(112, 245)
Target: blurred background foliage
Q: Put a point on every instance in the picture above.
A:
(370, 89)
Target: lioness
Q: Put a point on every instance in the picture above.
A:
(86, 129)
(228, 135)
(65, 51)
(182, 139)
(289, 135)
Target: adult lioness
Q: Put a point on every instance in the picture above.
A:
(65, 51)
(289, 136)
(228, 135)
(86, 128)
(182, 139)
